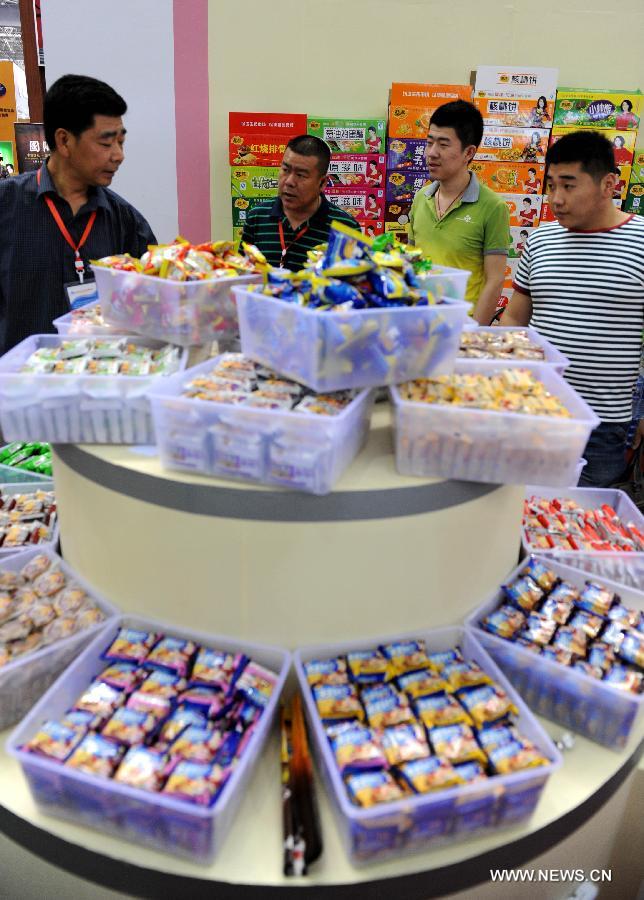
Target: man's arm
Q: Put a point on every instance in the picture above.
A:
(518, 312)
(494, 273)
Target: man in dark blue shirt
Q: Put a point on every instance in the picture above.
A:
(53, 221)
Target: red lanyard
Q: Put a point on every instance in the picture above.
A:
(286, 247)
(78, 262)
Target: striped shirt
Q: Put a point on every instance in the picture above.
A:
(587, 292)
(261, 229)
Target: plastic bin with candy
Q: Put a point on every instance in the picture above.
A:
(512, 346)
(28, 511)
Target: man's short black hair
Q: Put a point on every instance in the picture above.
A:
(74, 100)
(309, 145)
(464, 118)
(592, 150)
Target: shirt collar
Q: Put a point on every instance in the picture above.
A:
(277, 209)
(470, 194)
(96, 196)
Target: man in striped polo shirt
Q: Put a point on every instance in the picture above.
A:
(299, 219)
(580, 282)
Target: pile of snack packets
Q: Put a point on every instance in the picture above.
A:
(511, 390)
(236, 379)
(39, 606)
(562, 524)
(589, 629)
(102, 356)
(32, 457)
(401, 720)
(88, 320)
(183, 261)
(164, 715)
(499, 344)
(26, 519)
(354, 272)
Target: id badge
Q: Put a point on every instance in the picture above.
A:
(81, 294)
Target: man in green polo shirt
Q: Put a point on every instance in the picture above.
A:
(299, 219)
(456, 220)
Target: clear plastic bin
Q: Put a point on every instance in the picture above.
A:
(78, 409)
(24, 680)
(625, 568)
(599, 711)
(10, 474)
(28, 487)
(580, 467)
(440, 817)
(64, 323)
(187, 313)
(552, 356)
(441, 441)
(330, 351)
(290, 449)
(443, 282)
(166, 824)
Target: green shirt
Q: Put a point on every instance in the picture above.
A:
(477, 225)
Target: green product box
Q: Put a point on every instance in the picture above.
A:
(634, 202)
(581, 108)
(350, 135)
(254, 181)
(241, 206)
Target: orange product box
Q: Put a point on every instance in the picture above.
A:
(513, 144)
(524, 209)
(260, 139)
(510, 178)
(411, 106)
(516, 112)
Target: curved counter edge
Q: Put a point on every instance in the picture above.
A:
(143, 882)
(271, 505)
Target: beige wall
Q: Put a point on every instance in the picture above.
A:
(338, 57)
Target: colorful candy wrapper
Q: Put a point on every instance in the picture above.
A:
(124, 676)
(228, 748)
(596, 599)
(405, 656)
(338, 701)
(504, 621)
(625, 678)
(464, 674)
(386, 706)
(196, 743)
(559, 611)
(355, 747)
(539, 629)
(367, 789)
(70, 600)
(129, 726)
(497, 736)
(625, 616)
(96, 755)
(421, 683)
(514, 757)
(574, 640)
(403, 743)
(367, 666)
(326, 671)
(524, 593)
(163, 684)
(35, 567)
(486, 704)
(601, 655)
(215, 668)
(544, 577)
(181, 718)
(55, 740)
(101, 699)
(257, 684)
(588, 622)
(442, 658)
(49, 583)
(565, 592)
(189, 780)
(455, 743)
(81, 719)
(631, 649)
(209, 701)
(131, 645)
(151, 704)
(441, 709)
(172, 654)
(558, 654)
(613, 634)
(430, 774)
(142, 767)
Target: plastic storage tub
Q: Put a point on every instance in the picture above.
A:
(625, 568)
(15, 474)
(168, 825)
(440, 817)
(63, 409)
(552, 356)
(499, 447)
(330, 351)
(305, 452)
(187, 313)
(442, 281)
(24, 680)
(28, 487)
(63, 324)
(599, 711)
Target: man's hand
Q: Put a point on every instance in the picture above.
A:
(494, 273)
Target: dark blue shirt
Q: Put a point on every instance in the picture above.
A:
(35, 259)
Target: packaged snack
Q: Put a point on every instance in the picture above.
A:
(355, 747)
(471, 772)
(11, 581)
(70, 600)
(539, 629)
(122, 675)
(87, 617)
(142, 767)
(100, 699)
(406, 656)
(592, 671)
(150, 704)
(256, 683)
(421, 683)
(129, 726)
(367, 666)
(49, 583)
(96, 755)
(462, 674)
(181, 718)
(41, 613)
(189, 780)
(70, 349)
(505, 621)
(366, 789)
(201, 698)
(514, 757)
(625, 678)
(587, 622)
(631, 649)
(59, 629)
(559, 611)
(214, 668)
(544, 577)
(81, 719)
(487, 703)
(524, 593)
(596, 599)
(131, 645)
(455, 743)
(55, 740)
(574, 640)
(560, 655)
(430, 774)
(440, 659)
(163, 684)
(386, 706)
(624, 616)
(497, 736)
(171, 653)
(441, 709)
(196, 743)
(402, 743)
(326, 671)
(613, 634)
(601, 655)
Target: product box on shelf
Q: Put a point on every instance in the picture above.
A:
(364, 204)
(449, 441)
(403, 186)
(259, 181)
(24, 680)
(513, 144)
(510, 178)
(397, 216)
(260, 139)
(241, 207)
(551, 355)
(303, 451)
(515, 112)
(625, 567)
(371, 227)
(186, 313)
(420, 821)
(411, 106)
(580, 108)
(12, 486)
(637, 172)
(519, 236)
(517, 81)
(634, 202)
(570, 697)
(161, 821)
(621, 188)
(357, 170)
(406, 154)
(85, 409)
(524, 209)
(349, 135)
(623, 141)
(356, 348)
